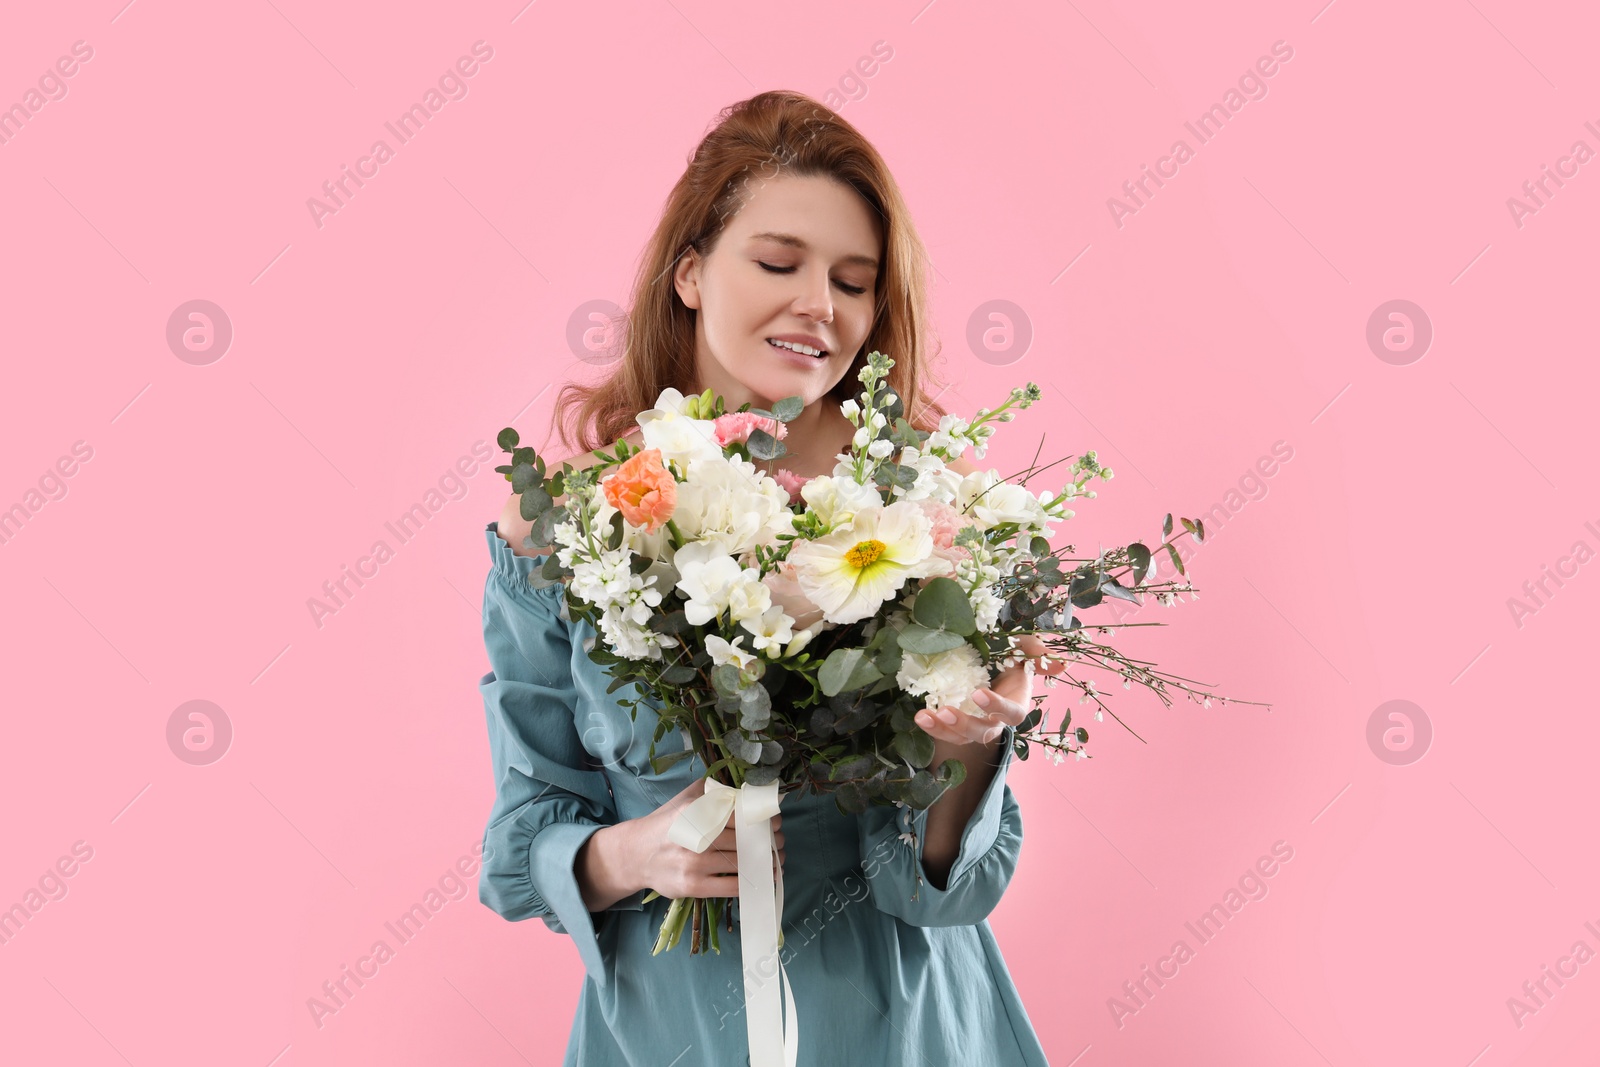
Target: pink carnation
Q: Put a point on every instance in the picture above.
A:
(946, 523)
(792, 482)
(735, 427)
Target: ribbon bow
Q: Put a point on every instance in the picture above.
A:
(760, 907)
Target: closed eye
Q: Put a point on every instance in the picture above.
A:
(853, 290)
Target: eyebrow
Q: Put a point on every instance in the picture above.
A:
(792, 241)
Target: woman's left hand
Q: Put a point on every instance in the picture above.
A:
(1005, 703)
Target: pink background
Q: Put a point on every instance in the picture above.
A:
(370, 353)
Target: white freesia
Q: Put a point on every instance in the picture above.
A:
(749, 598)
(945, 679)
(770, 630)
(705, 578)
(723, 651)
(727, 502)
(680, 438)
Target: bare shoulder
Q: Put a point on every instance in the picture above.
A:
(513, 528)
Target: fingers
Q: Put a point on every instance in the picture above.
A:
(1040, 652)
(958, 728)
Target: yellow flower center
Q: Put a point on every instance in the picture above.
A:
(865, 553)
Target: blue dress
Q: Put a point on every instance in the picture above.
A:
(885, 969)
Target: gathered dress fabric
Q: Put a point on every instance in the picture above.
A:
(885, 967)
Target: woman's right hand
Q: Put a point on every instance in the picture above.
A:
(674, 871)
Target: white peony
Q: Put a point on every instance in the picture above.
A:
(945, 679)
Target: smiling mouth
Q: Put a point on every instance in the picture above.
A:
(802, 350)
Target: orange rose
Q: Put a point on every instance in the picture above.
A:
(643, 490)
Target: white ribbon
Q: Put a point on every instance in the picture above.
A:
(760, 907)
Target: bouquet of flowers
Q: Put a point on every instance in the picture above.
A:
(792, 631)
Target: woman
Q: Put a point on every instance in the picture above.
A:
(783, 257)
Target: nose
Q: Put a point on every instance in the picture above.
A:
(815, 301)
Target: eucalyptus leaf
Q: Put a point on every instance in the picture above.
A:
(943, 605)
(543, 530)
(1113, 588)
(851, 767)
(507, 439)
(788, 409)
(725, 677)
(916, 748)
(761, 774)
(851, 799)
(1139, 556)
(846, 669)
(755, 708)
(924, 790)
(763, 445)
(926, 642)
(952, 772)
(741, 747)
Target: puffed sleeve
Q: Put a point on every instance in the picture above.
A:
(983, 866)
(550, 793)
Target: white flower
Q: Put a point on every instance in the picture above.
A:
(995, 501)
(679, 437)
(705, 578)
(723, 651)
(852, 571)
(730, 504)
(986, 607)
(771, 629)
(880, 449)
(835, 500)
(749, 598)
(945, 679)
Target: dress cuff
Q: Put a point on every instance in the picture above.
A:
(985, 859)
(554, 854)
(982, 830)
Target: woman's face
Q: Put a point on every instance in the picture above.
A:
(800, 261)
